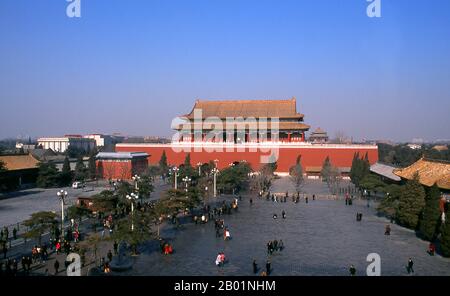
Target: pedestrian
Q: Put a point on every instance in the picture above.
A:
(255, 267)
(280, 245)
(28, 263)
(268, 267)
(314, 197)
(4, 249)
(283, 214)
(15, 233)
(387, 230)
(352, 270)
(251, 201)
(431, 249)
(410, 266)
(109, 255)
(115, 246)
(23, 262)
(56, 266)
(306, 199)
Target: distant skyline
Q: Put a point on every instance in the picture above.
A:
(132, 66)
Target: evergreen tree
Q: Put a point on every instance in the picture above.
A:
(431, 214)
(163, 163)
(187, 160)
(92, 167)
(296, 174)
(445, 238)
(365, 167)
(353, 168)
(186, 169)
(66, 174)
(80, 170)
(326, 170)
(48, 175)
(411, 203)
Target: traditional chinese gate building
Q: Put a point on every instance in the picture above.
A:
(249, 130)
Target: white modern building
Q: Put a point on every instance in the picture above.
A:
(100, 140)
(61, 144)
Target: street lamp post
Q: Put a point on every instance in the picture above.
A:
(136, 179)
(215, 171)
(175, 171)
(186, 180)
(62, 194)
(131, 197)
(199, 164)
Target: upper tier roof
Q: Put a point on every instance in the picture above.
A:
(247, 108)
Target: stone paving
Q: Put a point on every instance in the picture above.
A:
(320, 238)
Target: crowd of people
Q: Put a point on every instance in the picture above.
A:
(274, 246)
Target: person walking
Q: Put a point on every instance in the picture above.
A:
(110, 256)
(15, 233)
(56, 266)
(255, 267)
(115, 247)
(283, 214)
(387, 230)
(268, 267)
(352, 270)
(410, 266)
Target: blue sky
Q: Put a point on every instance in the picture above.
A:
(132, 66)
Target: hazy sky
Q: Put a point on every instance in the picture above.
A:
(132, 66)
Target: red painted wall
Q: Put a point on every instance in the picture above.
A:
(120, 170)
(340, 157)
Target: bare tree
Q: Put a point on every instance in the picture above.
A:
(334, 179)
(264, 178)
(340, 138)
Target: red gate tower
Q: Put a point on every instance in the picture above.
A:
(254, 131)
(243, 121)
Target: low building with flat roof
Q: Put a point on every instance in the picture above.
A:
(61, 144)
(121, 165)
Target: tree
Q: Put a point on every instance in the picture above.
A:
(235, 178)
(445, 238)
(360, 169)
(80, 170)
(164, 167)
(134, 230)
(48, 175)
(76, 212)
(92, 167)
(372, 183)
(154, 171)
(65, 176)
(389, 205)
(145, 186)
(105, 202)
(334, 179)
(326, 170)
(39, 223)
(296, 174)
(411, 203)
(430, 221)
(264, 178)
(74, 152)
